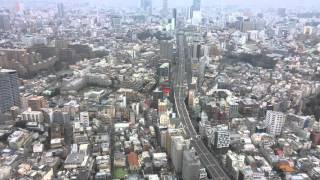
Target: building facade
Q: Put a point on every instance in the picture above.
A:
(274, 122)
(9, 90)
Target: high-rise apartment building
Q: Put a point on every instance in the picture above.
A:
(274, 122)
(196, 5)
(191, 165)
(174, 17)
(9, 89)
(60, 10)
(165, 7)
(146, 5)
(166, 49)
(4, 22)
(178, 145)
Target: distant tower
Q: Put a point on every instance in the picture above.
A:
(60, 10)
(178, 145)
(190, 165)
(17, 7)
(4, 22)
(196, 5)
(174, 15)
(165, 7)
(282, 12)
(166, 50)
(9, 89)
(146, 5)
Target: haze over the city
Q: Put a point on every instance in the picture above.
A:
(179, 3)
(160, 89)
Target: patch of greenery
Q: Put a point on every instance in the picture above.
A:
(257, 60)
(312, 107)
(142, 36)
(120, 173)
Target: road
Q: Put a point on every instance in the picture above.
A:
(206, 158)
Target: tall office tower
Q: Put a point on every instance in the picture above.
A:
(188, 69)
(196, 6)
(146, 5)
(183, 52)
(116, 21)
(282, 12)
(274, 121)
(247, 25)
(195, 51)
(4, 22)
(9, 90)
(201, 69)
(191, 165)
(181, 45)
(60, 10)
(165, 7)
(174, 17)
(171, 133)
(166, 49)
(178, 145)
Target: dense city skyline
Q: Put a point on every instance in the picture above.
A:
(159, 90)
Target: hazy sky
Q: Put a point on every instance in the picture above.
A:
(269, 3)
(175, 3)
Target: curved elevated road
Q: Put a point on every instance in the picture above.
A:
(206, 158)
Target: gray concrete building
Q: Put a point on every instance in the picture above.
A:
(9, 89)
(166, 50)
(191, 165)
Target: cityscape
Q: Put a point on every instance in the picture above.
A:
(159, 90)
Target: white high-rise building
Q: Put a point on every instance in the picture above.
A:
(274, 122)
(60, 9)
(178, 145)
(191, 165)
(9, 89)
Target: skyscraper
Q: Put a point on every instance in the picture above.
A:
(9, 90)
(146, 5)
(178, 145)
(182, 45)
(116, 21)
(166, 50)
(274, 122)
(191, 165)
(174, 15)
(4, 22)
(195, 51)
(196, 5)
(60, 10)
(165, 7)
